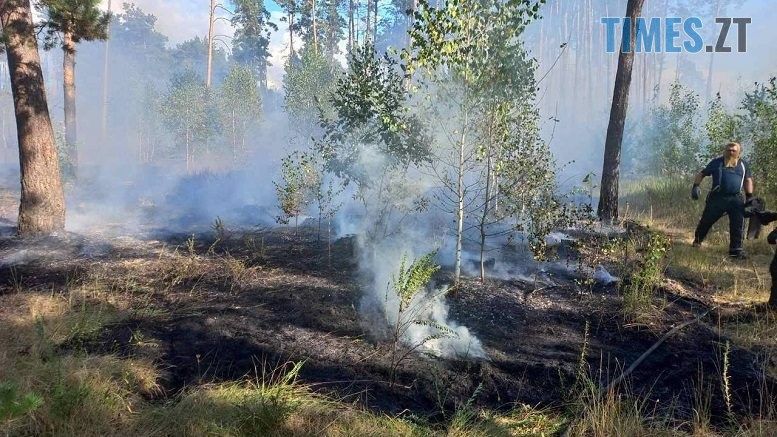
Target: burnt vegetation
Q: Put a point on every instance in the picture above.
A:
(376, 229)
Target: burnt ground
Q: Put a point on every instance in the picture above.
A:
(289, 304)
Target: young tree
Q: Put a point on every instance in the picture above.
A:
(240, 105)
(372, 139)
(42, 207)
(673, 136)
(758, 121)
(68, 22)
(250, 45)
(293, 189)
(307, 87)
(470, 54)
(608, 197)
(722, 127)
(187, 111)
(140, 53)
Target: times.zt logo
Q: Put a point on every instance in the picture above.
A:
(674, 34)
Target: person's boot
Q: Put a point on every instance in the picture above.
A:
(696, 243)
(738, 255)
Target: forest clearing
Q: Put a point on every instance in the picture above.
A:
(318, 217)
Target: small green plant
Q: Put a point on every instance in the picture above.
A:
(465, 413)
(646, 275)
(411, 280)
(14, 405)
(220, 233)
(292, 189)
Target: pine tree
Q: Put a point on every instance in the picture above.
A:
(252, 37)
(67, 23)
(42, 207)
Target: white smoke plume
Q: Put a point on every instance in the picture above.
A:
(386, 237)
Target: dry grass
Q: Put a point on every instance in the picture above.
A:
(90, 394)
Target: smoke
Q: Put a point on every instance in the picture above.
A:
(387, 235)
(120, 191)
(578, 76)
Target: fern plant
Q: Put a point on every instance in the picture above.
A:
(411, 280)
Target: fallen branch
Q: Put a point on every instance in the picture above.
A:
(642, 357)
(655, 346)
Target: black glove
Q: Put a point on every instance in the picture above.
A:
(748, 196)
(695, 192)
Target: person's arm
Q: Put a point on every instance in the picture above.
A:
(696, 191)
(748, 187)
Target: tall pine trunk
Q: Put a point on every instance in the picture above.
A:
(711, 67)
(368, 22)
(211, 23)
(106, 78)
(42, 207)
(608, 195)
(350, 27)
(314, 16)
(291, 33)
(69, 90)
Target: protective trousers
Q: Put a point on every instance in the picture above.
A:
(718, 205)
(773, 272)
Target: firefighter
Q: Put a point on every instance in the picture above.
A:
(732, 186)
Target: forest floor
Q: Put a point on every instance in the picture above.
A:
(188, 312)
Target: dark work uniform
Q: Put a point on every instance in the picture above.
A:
(767, 217)
(726, 197)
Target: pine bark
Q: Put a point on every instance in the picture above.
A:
(106, 81)
(314, 16)
(608, 196)
(42, 206)
(69, 92)
(350, 27)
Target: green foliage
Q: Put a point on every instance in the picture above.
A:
(308, 84)
(239, 104)
(82, 19)
(253, 28)
(672, 134)
(411, 279)
(187, 111)
(329, 25)
(14, 405)
(192, 55)
(722, 127)
(475, 40)
(480, 85)
(758, 118)
(293, 190)
(370, 108)
(645, 277)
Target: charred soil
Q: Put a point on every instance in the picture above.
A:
(209, 308)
